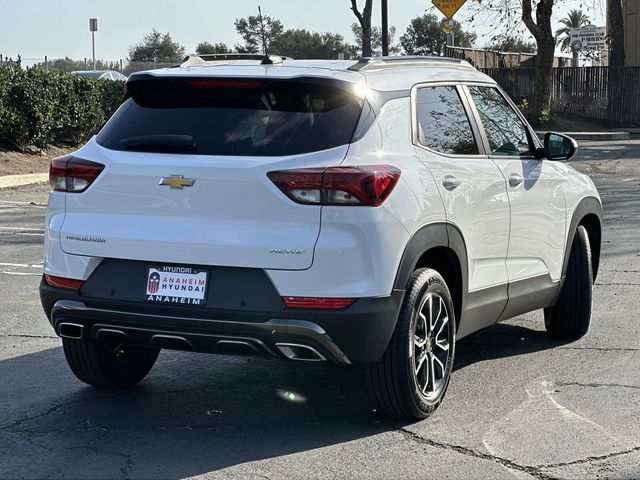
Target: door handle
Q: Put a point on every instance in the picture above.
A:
(515, 180)
(450, 182)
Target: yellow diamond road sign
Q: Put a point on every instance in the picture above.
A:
(448, 7)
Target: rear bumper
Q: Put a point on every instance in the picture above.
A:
(357, 334)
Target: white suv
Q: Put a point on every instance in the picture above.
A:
(368, 213)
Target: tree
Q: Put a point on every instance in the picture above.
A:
(575, 19)
(156, 47)
(364, 19)
(546, 42)
(297, 43)
(425, 36)
(250, 29)
(505, 16)
(376, 40)
(510, 43)
(205, 48)
(615, 23)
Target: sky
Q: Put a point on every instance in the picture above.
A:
(59, 28)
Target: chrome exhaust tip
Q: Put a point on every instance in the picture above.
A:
(305, 353)
(73, 331)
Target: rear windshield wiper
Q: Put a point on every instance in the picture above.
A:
(156, 143)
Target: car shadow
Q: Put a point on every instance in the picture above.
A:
(502, 340)
(195, 413)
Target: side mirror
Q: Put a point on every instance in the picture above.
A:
(559, 147)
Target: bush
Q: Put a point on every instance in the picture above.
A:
(543, 120)
(37, 106)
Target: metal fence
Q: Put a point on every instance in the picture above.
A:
(610, 94)
(68, 64)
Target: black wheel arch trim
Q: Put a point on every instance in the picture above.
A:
(586, 206)
(428, 237)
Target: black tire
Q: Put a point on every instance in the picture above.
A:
(393, 383)
(108, 365)
(570, 317)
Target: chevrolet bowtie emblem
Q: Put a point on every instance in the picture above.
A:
(177, 181)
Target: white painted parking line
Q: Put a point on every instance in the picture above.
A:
(22, 274)
(23, 234)
(18, 180)
(23, 229)
(23, 204)
(5, 208)
(20, 265)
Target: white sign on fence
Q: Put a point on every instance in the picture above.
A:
(588, 38)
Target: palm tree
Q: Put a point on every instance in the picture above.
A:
(575, 19)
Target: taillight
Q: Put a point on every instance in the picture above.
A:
(318, 302)
(70, 174)
(367, 185)
(61, 282)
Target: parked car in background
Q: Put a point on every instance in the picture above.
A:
(101, 74)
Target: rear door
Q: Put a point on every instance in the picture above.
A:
(473, 191)
(185, 177)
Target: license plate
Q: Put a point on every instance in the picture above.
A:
(173, 285)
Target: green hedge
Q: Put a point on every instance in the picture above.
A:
(39, 107)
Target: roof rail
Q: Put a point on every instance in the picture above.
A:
(204, 59)
(370, 63)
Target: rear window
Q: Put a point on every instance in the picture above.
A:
(236, 117)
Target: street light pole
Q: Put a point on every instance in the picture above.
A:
(93, 27)
(385, 28)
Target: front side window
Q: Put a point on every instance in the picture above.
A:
(505, 131)
(442, 122)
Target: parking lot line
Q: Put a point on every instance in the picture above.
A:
(22, 229)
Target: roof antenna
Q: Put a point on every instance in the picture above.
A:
(266, 60)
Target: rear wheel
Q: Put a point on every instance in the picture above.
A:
(108, 365)
(412, 377)
(571, 316)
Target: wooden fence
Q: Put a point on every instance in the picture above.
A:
(610, 94)
(486, 58)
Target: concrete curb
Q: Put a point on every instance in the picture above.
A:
(595, 136)
(8, 181)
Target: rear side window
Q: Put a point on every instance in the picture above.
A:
(233, 117)
(442, 122)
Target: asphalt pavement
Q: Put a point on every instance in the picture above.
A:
(519, 405)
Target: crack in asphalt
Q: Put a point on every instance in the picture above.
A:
(532, 346)
(603, 349)
(92, 446)
(534, 471)
(595, 385)
(13, 425)
(619, 271)
(595, 458)
(14, 335)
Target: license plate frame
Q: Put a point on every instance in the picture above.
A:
(177, 285)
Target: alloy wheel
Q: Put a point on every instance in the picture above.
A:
(431, 346)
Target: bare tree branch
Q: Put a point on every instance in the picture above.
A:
(356, 12)
(364, 18)
(527, 19)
